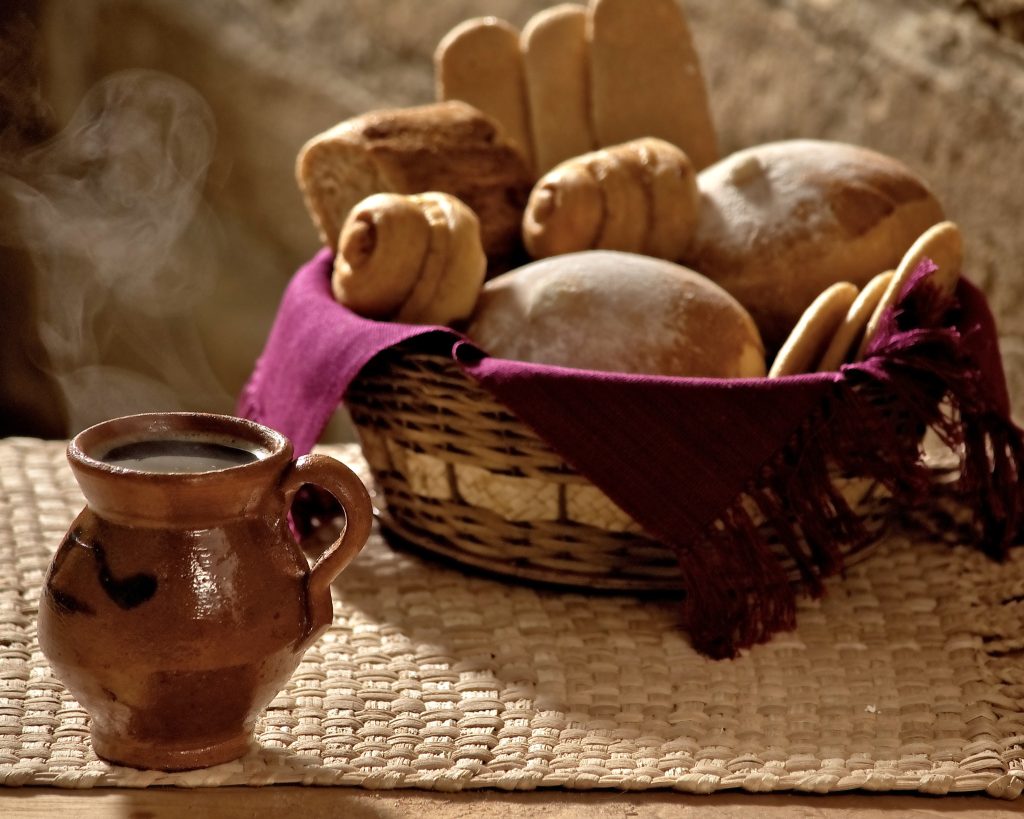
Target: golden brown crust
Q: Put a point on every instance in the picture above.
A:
(645, 77)
(556, 63)
(639, 197)
(810, 338)
(415, 258)
(850, 332)
(943, 245)
(617, 311)
(479, 62)
(380, 254)
(781, 222)
(449, 147)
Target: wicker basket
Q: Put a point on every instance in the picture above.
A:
(465, 478)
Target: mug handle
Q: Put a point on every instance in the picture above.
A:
(348, 490)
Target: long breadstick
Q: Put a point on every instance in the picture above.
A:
(556, 63)
(943, 244)
(646, 78)
(479, 62)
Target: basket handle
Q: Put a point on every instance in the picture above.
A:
(348, 489)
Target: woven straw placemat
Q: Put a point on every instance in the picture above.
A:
(908, 676)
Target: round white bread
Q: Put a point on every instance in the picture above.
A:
(622, 312)
(781, 222)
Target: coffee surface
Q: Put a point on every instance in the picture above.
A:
(178, 456)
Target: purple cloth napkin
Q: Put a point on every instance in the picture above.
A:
(674, 453)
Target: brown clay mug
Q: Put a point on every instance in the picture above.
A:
(178, 604)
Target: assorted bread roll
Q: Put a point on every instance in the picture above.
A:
(781, 222)
(415, 259)
(450, 147)
(797, 246)
(608, 310)
(639, 197)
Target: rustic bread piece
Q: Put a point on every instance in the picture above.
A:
(645, 77)
(449, 147)
(606, 310)
(781, 222)
(557, 66)
(479, 62)
(416, 259)
(639, 197)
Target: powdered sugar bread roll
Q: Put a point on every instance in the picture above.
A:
(606, 310)
(781, 222)
(557, 66)
(415, 259)
(449, 147)
(646, 78)
(639, 197)
(479, 62)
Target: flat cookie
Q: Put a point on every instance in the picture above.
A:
(943, 244)
(556, 67)
(479, 62)
(855, 323)
(645, 78)
(815, 329)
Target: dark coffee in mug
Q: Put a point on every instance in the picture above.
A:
(178, 455)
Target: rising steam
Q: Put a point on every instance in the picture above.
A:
(111, 213)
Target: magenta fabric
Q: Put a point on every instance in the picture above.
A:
(675, 453)
(621, 431)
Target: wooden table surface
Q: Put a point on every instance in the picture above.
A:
(225, 803)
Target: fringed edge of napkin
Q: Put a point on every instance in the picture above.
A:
(920, 374)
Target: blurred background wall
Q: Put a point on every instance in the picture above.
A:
(144, 247)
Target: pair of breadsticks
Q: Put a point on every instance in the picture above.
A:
(579, 78)
(841, 324)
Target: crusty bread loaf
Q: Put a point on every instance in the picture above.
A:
(415, 259)
(639, 197)
(606, 310)
(479, 62)
(449, 147)
(781, 222)
(645, 77)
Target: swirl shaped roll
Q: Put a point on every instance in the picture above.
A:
(411, 258)
(637, 197)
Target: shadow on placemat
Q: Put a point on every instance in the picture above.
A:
(908, 676)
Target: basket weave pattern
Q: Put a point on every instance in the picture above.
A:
(907, 676)
(464, 477)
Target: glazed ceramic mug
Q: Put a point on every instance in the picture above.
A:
(178, 604)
